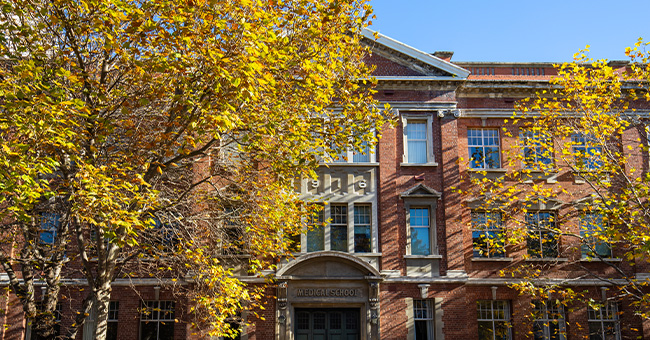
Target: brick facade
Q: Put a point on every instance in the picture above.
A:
(452, 279)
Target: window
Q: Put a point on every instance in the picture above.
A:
(423, 319)
(157, 320)
(50, 224)
(493, 320)
(316, 232)
(113, 312)
(603, 322)
(362, 228)
(542, 239)
(233, 234)
(549, 321)
(484, 150)
(586, 151)
(420, 226)
(90, 323)
(339, 227)
(418, 139)
(591, 226)
(536, 149)
(487, 234)
(367, 155)
(344, 232)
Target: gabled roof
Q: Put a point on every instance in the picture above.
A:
(428, 59)
(421, 191)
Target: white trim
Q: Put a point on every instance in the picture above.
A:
(415, 53)
(428, 120)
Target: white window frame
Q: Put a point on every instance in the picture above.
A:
(428, 227)
(327, 235)
(91, 319)
(485, 229)
(347, 157)
(531, 140)
(433, 239)
(423, 312)
(588, 240)
(506, 313)
(484, 165)
(428, 120)
(538, 233)
(547, 312)
(610, 316)
(590, 162)
(169, 315)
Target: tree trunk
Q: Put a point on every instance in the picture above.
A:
(102, 301)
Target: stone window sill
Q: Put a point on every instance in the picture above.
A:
(595, 259)
(547, 259)
(495, 170)
(430, 164)
(422, 257)
(492, 259)
(530, 175)
(487, 173)
(350, 164)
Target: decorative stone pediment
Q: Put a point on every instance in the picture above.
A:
(328, 264)
(421, 191)
(408, 61)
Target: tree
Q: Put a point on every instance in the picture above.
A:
(577, 185)
(124, 123)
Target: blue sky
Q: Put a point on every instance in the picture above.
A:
(515, 30)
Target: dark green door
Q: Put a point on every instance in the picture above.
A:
(326, 324)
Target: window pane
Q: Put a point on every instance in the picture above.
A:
(420, 241)
(339, 227)
(362, 157)
(416, 130)
(417, 151)
(316, 239)
(148, 330)
(416, 136)
(339, 237)
(362, 229)
(111, 331)
(419, 217)
(484, 148)
(422, 330)
(477, 157)
(362, 239)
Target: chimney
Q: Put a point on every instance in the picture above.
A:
(444, 55)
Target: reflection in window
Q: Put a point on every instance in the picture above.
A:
(488, 234)
(362, 228)
(493, 320)
(587, 152)
(484, 148)
(604, 322)
(549, 321)
(542, 238)
(316, 231)
(420, 227)
(536, 150)
(157, 320)
(339, 227)
(592, 230)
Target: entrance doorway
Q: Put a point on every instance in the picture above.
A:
(327, 324)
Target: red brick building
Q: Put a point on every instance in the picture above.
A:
(397, 260)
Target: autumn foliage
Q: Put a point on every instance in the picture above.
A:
(167, 135)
